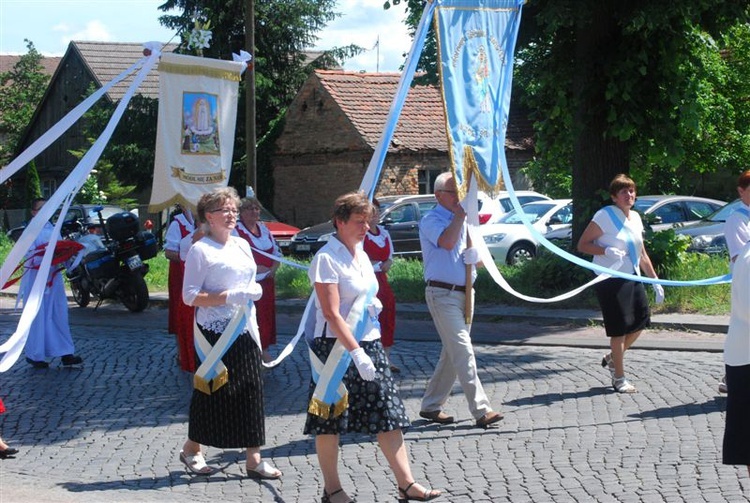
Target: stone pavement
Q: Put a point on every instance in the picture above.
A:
(111, 431)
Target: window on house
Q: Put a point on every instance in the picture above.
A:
(426, 179)
(49, 186)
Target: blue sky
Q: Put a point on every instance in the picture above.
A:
(51, 24)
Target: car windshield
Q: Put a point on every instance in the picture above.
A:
(535, 211)
(723, 213)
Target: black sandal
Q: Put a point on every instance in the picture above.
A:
(327, 497)
(429, 494)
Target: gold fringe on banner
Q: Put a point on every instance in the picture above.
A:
(199, 71)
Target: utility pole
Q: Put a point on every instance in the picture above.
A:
(251, 174)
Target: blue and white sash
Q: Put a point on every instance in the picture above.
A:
(626, 234)
(212, 374)
(744, 212)
(330, 393)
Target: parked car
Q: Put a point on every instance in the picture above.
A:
(707, 234)
(491, 209)
(281, 232)
(663, 212)
(400, 215)
(78, 214)
(510, 242)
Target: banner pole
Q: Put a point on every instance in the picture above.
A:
(468, 314)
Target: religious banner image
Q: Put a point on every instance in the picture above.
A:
(195, 132)
(200, 133)
(475, 47)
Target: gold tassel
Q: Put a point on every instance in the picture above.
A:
(220, 380)
(319, 408)
(201, 385)
(341, 405)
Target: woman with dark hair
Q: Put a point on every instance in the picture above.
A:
(226, 409)
(615, 238)
(736, 448)
(737, 232)
(346, 330)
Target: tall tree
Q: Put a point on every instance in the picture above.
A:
(21, 90)
(621, 86)
(284, 29)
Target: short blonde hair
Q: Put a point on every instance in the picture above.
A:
(215, 199)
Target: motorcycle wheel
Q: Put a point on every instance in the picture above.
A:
(80, 295)
(134, 293)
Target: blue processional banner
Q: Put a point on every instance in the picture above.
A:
(476, 42)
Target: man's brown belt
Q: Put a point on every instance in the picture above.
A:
(447, 286)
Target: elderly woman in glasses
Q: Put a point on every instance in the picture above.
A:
(257, 235)
(226, 409)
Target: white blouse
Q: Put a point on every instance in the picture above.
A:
(334, 264)
(737, 342)
(634, 227)
(213, 268)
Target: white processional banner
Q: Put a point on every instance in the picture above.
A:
(195, 132)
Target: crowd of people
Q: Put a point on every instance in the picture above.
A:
(222, 310)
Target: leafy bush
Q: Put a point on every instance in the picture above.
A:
(665, 248)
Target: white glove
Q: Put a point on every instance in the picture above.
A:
(659, 292)
(471, 256)
(241, 296)
(364, 364)
(614, 253)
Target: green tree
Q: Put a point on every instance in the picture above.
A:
(33, 187)
(21, 90)
(284, 29)
(648, 86)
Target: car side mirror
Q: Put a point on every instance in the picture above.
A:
(386, 221)
(554, 220)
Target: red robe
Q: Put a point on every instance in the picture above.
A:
(378, 247)
(265, 307)
(181, 315)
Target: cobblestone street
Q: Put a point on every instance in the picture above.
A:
(112, 430)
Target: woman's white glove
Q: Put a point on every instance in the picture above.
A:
(614, 253)
(241, 296)
(471, 256)
(659, 292)
(364, 364)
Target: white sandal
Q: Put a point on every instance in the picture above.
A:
(196, 464)
(264, 471)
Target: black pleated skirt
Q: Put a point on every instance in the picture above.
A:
(624, 306)
(374, 406)
(736, 450)
(232, 416)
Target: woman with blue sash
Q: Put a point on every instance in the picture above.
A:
(226, 409)
(353, 398)
(615, 238)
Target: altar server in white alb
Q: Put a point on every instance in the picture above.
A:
(49, 336)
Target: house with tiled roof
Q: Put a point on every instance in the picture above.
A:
(333, 126)
(85, 65)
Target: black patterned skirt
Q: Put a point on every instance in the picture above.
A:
(374, 406)
(624, 306)
(736, 449)
(232, 416)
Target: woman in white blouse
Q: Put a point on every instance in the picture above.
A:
(343, 278)
(226, 410)
(615, 238)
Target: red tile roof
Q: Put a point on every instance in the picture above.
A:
(49, 63)
(366, 99)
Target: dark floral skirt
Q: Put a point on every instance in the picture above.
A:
(374, 406)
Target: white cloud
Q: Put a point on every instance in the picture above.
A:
(94, 30)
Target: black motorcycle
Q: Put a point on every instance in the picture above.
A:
(115, 269)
